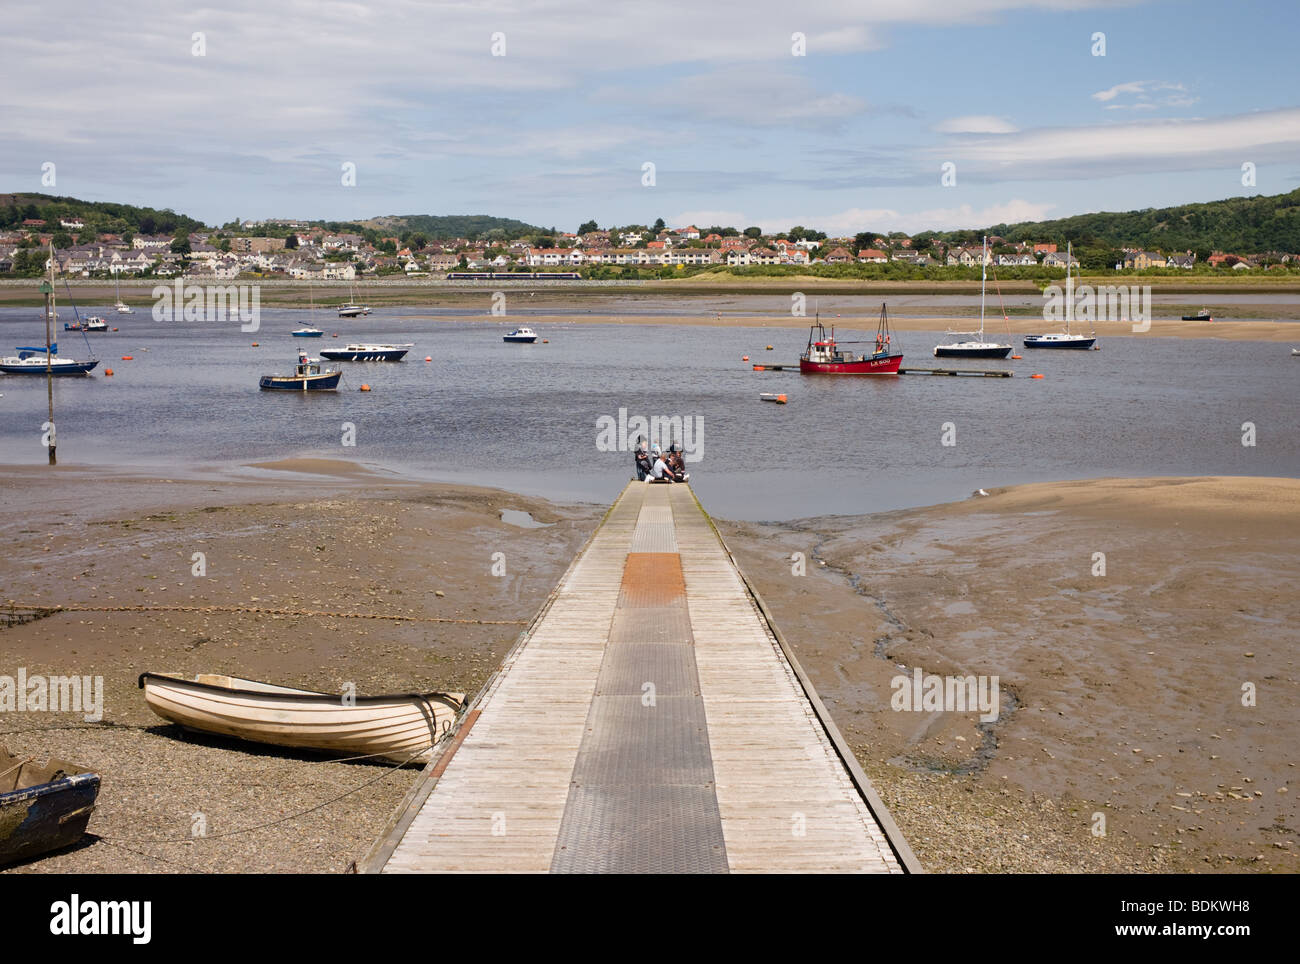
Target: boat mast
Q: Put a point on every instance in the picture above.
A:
(1069, 287)
(984, 277)
(48, 289)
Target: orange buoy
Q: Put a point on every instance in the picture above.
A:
(781, 399)
(108, 371)
(335, 335)
(428, 358)
(128, 358)
(365, 388)
(115, 329)
(1017, 357)
(744, 358)
(769, 348)
(546, 341)
(1035, 376)
(254, 344)
(758, 368)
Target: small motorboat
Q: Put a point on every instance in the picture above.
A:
(1295, 351)
(353, 311)
(388, 353)
(772, 397)
(307, 332)
(523, 335)
(403, 728)
(1202, 315)
(308, 376)
(93, 323)
(32, 361)
(43, 806)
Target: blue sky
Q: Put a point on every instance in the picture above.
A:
(849, 137)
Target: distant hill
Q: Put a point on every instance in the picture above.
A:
(99, 216)
(1250, 224)
(437, 226)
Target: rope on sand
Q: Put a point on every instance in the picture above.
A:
(263, 611)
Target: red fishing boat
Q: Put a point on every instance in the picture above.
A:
(825, 356)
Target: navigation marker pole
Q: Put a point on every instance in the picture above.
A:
(47, 289)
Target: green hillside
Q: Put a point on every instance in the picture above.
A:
(98, 216)
(472, 226)
(1239, 224)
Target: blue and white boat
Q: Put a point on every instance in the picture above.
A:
(523, 335)
(308, 376)
(33, 361)
(307, 332)
(388, 353)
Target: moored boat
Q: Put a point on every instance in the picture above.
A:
(119, 306)
(825, 356)
(352, 309)
(522, 335)
(387, 353)
(43, 806)
(32, 361)
(1064, 339)
(975, 346)
(93, 323)
(1202, 315)
(403, 727)
(308, 376)
(307, 332)
(773, 397)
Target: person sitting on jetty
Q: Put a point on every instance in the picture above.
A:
(661, 472)
(643, 461)
(677, 462)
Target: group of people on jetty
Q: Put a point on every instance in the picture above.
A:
(655, 465)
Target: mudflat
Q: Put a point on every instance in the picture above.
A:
(306, 563)
(1160, 692)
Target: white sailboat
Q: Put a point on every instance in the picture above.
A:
(119, 306)
(1064, 339)
(352, 309)
(974, 346)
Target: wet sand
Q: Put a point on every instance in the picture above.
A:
(1122, 693)
(308, 536)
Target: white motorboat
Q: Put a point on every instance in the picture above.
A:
(522, 335)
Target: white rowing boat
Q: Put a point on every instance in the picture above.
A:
(403, 728)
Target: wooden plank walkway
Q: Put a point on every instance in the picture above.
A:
(651, 719)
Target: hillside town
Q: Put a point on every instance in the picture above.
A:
(302, 250)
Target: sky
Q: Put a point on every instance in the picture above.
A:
(840, 116)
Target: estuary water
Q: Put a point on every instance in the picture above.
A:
(529, 418)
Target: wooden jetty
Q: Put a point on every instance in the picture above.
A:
(651, 719)
(969, 372)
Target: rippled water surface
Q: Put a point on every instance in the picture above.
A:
(526, 416)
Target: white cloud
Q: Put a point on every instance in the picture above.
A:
(976, 124)
(1137, 147)
(1145, 95)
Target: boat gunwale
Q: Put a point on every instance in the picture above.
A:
(303, 696)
